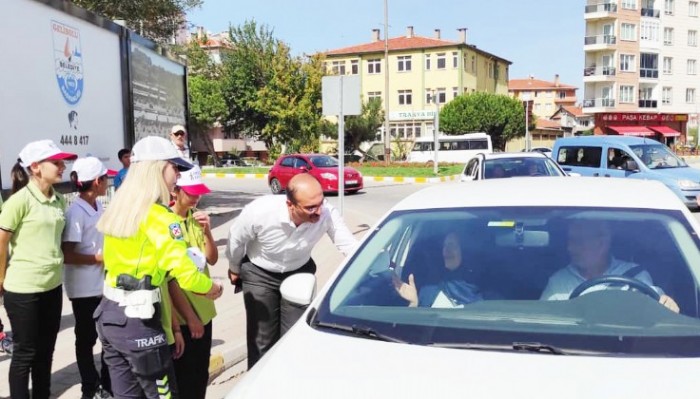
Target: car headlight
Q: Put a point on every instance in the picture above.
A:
(688, 184)
(329, 176)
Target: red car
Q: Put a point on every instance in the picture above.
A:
(323, 167)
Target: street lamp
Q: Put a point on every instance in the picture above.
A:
(526, 100)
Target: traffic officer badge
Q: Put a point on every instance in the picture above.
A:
(176, 231)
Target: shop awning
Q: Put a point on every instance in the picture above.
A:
(632, 130)
(665, 130)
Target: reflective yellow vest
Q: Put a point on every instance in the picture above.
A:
(158, 248)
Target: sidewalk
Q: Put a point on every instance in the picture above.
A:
(228, 345)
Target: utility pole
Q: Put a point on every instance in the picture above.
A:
(387, 135)
(436, 131)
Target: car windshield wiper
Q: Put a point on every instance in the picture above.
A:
(516, 346)
(360, 331)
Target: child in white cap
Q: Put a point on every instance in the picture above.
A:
(83, 275)
(194, 313)
(31, 223)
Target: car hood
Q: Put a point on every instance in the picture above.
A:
(308, 363)
(689, 173)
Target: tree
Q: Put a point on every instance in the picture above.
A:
(500, 116)
(359, 128)
(270, 94)
(157, 20)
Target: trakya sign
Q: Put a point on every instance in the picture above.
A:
(411, 115)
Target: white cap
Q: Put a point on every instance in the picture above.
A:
(154, 148)
(90, 168)
(42, 150)
(191, 182)
(178, 128)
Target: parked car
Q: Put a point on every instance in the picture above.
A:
(630, 157)
(359, 338)
(323, 167)
(233, 160)
(544, 150)
(509, 164)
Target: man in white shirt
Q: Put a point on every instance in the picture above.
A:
(178, 136)
(271, 240)
(589, 248)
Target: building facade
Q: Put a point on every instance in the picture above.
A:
(546, 97)
(641, 67)
(420, 69)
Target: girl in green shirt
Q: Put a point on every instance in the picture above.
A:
(194, 313)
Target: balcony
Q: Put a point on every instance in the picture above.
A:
(600, 40)
(649, 73)
(599, 103)
(651, 13)
(648, 103)
(600, 11)
(599, 71)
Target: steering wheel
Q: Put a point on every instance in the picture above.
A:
(618, 280)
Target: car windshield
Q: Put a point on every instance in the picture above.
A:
(445, 276)
(323, 161)
(657, 156)
(512, 167)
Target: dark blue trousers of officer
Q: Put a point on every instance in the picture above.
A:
(136, 352)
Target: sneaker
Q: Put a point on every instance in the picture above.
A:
(5, 343)
(102, 394)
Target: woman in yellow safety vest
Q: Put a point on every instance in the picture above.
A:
(143, 243)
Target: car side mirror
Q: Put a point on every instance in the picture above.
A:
(631, 166)
(299, 288)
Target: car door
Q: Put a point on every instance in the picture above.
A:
(471, 170)
(615, 163)
(285, 171)
(581, 159)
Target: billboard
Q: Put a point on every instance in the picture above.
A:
(158, 92)
(61, 79)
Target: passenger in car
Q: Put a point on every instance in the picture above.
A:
(589, 249)
(450, 289)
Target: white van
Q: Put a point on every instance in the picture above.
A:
(458, 148)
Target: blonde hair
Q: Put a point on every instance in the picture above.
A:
(144, 186)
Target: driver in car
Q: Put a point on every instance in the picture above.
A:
(589, 250)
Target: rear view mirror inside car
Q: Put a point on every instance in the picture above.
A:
(518, 238)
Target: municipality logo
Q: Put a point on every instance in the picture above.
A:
(68, 59)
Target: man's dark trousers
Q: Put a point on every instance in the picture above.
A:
(268, 317)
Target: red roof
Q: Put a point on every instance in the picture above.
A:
(575, 111)
(535, 84)
(548, 124)
(397, 43)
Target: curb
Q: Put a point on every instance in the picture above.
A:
(222, 361)
(388, 179)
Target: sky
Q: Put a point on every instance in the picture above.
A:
(541, 38)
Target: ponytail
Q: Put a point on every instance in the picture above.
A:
(20, 177)
(80, 186)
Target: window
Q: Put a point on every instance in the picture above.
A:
(409, 130)
(693, 9)
(692, 38)
(629, 4)
(441, 95)
(668, 65)
(649, 65)
(580, 156)
(474, 63)
(489, 68)
(690, 96)
(628, 32)
(455, 92)
(668, 36)
(428, 96)
(354, 67)
(650, 31)
(455, 60)
(427, 62)
(666, 94)
(627, 62)
(626, 94)
(692, 67)
(405, 97)
(404, 63)
(374, 96)
(338, 68)
(374, 66)
(669, 6)
(441, 61)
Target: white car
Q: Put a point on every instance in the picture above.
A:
(509, 164)
(478, 325)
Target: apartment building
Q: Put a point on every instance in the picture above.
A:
(641, 67)
(546, 96)
(420, 69)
